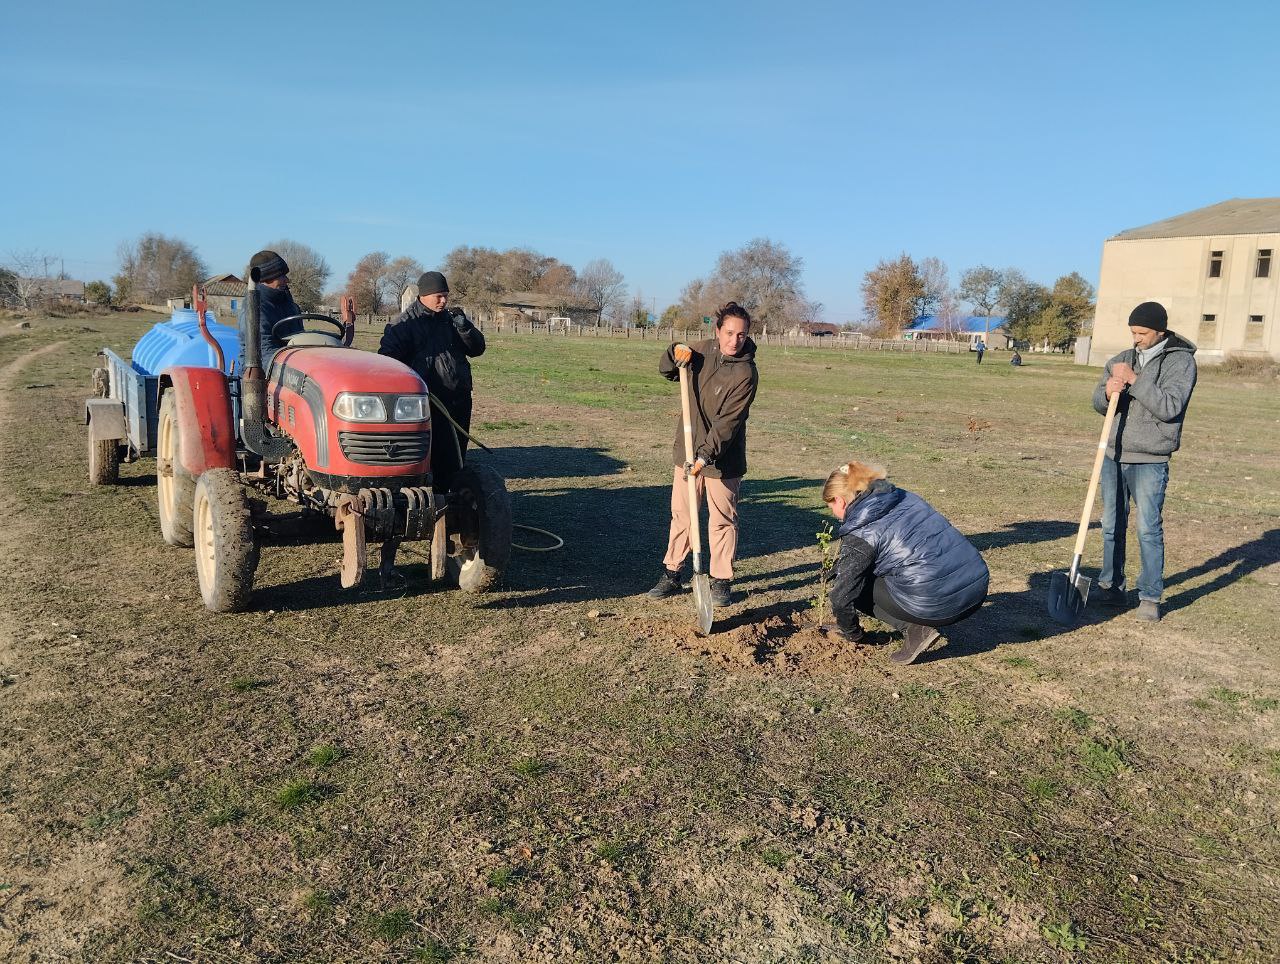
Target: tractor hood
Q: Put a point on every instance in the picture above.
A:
(336, 370)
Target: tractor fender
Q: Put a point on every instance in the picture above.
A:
(205, 425)
(105, 418)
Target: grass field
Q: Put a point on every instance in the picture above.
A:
(563, 771)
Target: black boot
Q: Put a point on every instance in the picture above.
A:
(721, 592)
(667, 585)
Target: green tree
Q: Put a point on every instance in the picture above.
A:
(670, 317)
(892, 293)
(1024, 301)
(1070, 305)
(97, 293)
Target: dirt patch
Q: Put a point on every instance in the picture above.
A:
(787, 644)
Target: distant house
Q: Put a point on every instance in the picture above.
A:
(816, 329)
(972, 329)
(523, 306)
(224, 293)
(56, 289)
(1212, 269)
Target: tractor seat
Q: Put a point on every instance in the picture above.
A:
(313, 338)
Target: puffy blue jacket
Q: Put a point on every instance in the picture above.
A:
(931, 570)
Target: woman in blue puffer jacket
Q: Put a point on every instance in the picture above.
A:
(899, 561)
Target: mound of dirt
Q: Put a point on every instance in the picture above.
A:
(786, 644)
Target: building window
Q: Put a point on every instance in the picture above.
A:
(1209, 319)
(1264, 263)
(1255, 319)
(1215, 264)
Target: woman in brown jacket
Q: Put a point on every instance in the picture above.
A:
(723, 382)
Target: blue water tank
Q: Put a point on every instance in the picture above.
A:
(178, 342)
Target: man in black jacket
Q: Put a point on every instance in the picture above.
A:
(275, 302)
(438, 344)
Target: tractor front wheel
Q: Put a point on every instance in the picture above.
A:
(484, 506)
(226, 554)
(175, 486)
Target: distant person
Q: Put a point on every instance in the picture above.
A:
(980, 348)
(723, 385)
(275, 303)
(438, 344)
(899, 561)
(1015, 359)
(1155, 379)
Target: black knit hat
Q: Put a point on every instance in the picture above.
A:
(1149, 314)
(267, 266)
(432, 283)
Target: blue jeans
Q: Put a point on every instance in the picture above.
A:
(1144, 483)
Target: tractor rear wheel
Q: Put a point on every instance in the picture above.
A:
(226, 554)
(485, 506)
(175, 486)
(104, 461)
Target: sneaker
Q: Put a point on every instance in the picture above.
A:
(1111, 597)
(721, 592)
(918, 639)
(1148, 610)
(667, 585)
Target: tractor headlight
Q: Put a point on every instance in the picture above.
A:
(411, 408)
(359, 408)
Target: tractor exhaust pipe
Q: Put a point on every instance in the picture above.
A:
(253, 383)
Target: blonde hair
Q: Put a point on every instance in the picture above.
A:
(850, 480)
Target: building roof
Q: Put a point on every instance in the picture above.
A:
(973, 325)
(536, 299)
(59, 287)
(227, 285)
(1240, 215)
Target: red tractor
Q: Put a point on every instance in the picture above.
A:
(337, 431)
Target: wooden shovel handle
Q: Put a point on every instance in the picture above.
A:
(695, 532)
(1097, 474)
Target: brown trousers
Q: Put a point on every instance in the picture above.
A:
(721, 496)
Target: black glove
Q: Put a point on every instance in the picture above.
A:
(459, 319)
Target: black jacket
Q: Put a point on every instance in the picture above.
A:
(722, 390)
(436, 345)
(931, 570)
(274, 304)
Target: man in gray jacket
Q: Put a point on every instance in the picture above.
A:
(1155, 380)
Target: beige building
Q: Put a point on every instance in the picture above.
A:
(1215, 270)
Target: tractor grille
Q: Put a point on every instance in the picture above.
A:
(385, 448)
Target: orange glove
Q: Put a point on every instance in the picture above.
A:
(683, 354)
(695, 467)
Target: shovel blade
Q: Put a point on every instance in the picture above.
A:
(1067, 597)
(702, 602)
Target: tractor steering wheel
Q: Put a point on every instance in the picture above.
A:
(278, 334)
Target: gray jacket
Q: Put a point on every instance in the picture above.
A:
(1148, 422)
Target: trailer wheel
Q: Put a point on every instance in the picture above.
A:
(104, 461)
(485, 509)
(226, 554)
(175, 486)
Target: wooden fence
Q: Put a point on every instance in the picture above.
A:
(856, 342)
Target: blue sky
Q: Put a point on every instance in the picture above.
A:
(656, 135)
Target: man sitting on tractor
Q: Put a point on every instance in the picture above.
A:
(275, 302)
(437, 344)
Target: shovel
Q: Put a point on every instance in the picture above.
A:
(1069, 591)
(701, 581)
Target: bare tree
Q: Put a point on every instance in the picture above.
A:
(765, 278)
(156, 267)
(24, 281)
(473, 276)
(602, 287)
(936, 285)
(396, 276)
(982, 288)
(308, 272)
(364, 284)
